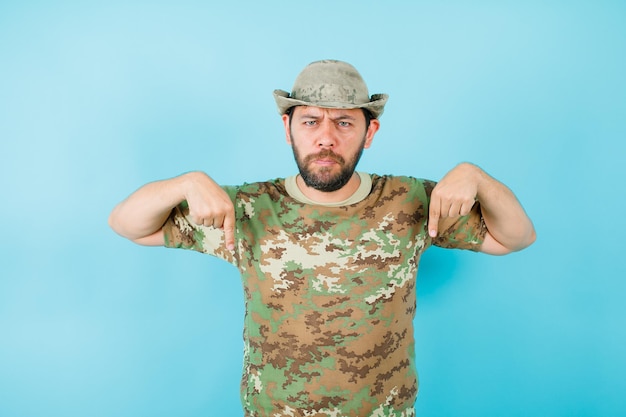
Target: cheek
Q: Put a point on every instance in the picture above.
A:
(297, 149)
(300, 140)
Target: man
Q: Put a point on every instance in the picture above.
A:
(328, 257)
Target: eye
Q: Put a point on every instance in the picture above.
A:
(310, 122)
(343, 123)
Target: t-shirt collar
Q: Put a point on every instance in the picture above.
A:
(365, 187)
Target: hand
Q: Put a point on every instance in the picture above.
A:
(454, 195)
(209, 205)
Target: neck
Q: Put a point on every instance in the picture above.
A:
(333, 196)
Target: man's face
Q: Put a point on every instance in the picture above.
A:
(327, 144)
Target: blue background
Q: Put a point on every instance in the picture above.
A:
(99, 98)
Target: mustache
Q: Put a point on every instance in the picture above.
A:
(325, 154)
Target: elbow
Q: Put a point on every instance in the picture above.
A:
(113, 220)
(532, 238)
(116, 223)
(513, 245)
(528, 239)
(127, 228)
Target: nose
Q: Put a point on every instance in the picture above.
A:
(327, 136)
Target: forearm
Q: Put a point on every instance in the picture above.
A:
(504, 216)
(144, 212)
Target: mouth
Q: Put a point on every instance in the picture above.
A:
(325, 161)
(326, 158)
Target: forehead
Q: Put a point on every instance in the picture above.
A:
(312, 111)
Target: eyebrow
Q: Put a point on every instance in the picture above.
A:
(340, 117)
(343, 117)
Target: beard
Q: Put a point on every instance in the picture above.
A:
(323, 178)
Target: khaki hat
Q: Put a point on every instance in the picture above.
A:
(330, 84)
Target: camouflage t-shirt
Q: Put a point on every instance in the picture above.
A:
(329, 294)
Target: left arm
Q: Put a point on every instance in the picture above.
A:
(508, 227)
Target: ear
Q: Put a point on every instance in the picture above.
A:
(371, 131)
(285, 118)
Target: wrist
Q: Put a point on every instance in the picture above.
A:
(187, 182)
(478, 177)
(489, 189)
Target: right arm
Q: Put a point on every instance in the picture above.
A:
(141, 216)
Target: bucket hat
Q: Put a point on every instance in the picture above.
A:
(330, 84)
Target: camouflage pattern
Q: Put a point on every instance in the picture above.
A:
(330, 84)
(329, 294)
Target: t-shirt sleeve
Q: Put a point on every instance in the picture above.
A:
(181, 232)
(465, 232)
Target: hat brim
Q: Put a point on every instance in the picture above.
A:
(376, 105)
